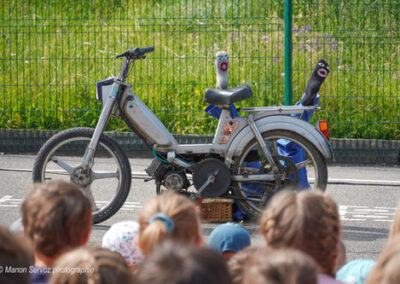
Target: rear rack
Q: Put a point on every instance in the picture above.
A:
(280, 109)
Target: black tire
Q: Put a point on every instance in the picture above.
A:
(317, 165)
(70, 145)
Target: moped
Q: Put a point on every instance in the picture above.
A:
(242, 163)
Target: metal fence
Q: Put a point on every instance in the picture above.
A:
(53, 52)
(361, 41)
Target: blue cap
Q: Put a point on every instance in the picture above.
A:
(355, 271)
(229, 237)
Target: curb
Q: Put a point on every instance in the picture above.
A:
(346, 151)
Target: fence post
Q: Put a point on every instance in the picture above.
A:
(288, 52)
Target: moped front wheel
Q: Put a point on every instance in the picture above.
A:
(108, 181)
(300, 166)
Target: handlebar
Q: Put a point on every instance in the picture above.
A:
(136, 53)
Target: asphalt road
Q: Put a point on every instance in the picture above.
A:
(367, 199)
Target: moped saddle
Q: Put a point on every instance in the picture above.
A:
(227, 96)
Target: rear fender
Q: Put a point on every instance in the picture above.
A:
(279, 122)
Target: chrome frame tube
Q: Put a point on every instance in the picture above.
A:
(105, 114)
(261, 141)
(101, 125)
(250, 178)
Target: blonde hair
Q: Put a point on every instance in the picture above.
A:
(57, 216)
(395, 230)
(92, 265)
(179, 209)
(280, 266)
(308, 221)
(386, 270)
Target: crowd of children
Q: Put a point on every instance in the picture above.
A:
(301, 231)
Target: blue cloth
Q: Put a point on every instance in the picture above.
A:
(285, 148)
(355, 272)
(293, 151)
(215, 111)
(229, 237)
(40, 275)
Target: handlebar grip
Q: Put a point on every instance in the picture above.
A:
(136, 53)
(147, 49)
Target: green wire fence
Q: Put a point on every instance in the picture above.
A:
(53, 52)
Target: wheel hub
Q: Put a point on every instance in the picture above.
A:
(80, 178)
(288, 175)
(176, 180)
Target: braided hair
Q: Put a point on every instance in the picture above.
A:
(308, 221)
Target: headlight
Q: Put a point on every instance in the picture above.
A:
(103, 89)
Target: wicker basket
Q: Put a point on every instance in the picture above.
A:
(216, 210)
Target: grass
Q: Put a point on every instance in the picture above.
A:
(53, 52)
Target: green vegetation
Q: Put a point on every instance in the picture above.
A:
(53, 52)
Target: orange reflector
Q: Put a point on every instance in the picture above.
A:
(323, 127)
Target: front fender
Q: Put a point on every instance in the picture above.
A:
(279, 122)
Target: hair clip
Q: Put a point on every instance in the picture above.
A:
(168, 222)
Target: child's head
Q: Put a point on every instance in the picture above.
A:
(177, 263)
(16, 253)
(121, 238)
(168, 216)
(93, 265)
(386, 270)
(308, 221)
(238, 261)
(57, 217)
(280, 266)
(227, 239)
(395, 230)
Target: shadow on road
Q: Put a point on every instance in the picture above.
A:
(355, 233)
(101, 227)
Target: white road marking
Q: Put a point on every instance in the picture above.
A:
(5, 198)
(365, 213)
(8, 202)
(364, 181)
(351, 219)
(371, 210)
(348, 213)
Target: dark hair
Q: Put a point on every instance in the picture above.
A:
(57, 216)
(308, 221)
(94, 265)
(280, 266)
(178, 263)
(238, 261)
(14, 253)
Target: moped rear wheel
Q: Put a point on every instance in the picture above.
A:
(108, 182)
(308, 172)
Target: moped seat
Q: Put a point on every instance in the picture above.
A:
(228, 96)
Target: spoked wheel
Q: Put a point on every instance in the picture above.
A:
(106, 184)
(300, 165)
